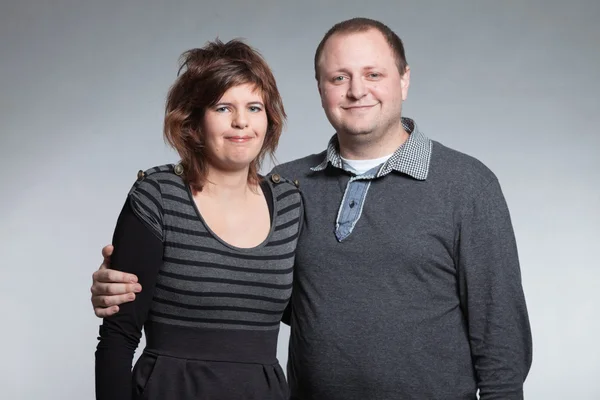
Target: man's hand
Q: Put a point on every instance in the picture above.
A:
(111, 288)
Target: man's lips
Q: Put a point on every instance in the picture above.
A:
(358, 108)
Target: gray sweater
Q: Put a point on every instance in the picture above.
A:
(422, 301)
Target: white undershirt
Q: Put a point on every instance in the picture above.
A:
(359, 167)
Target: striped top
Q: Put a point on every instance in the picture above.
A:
(201, 298)
(204, 281)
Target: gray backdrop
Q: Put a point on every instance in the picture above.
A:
(82, 88)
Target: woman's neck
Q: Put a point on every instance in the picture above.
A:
(226, 185)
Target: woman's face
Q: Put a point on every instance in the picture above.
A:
(235, 128)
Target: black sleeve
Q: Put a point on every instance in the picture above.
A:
(286, 317)
(268, 193)
(139, 251)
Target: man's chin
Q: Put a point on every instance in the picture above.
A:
(356, 132)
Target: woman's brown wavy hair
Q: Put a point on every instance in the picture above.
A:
(204, 76)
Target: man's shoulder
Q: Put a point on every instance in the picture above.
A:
(299, 167)
(459, 167)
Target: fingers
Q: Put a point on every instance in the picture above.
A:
(106, 301)
(113, 276)
(106, 253)
(106, 312)
(111, 287)
(114, 289)
(106, 297)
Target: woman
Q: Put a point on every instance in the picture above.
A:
(210, 240)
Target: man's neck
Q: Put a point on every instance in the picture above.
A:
(368, 148)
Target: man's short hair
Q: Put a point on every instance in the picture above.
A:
(356, 25)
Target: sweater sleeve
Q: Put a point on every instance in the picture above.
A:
(492, 296)
(138, 249)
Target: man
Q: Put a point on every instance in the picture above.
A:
(407, 281)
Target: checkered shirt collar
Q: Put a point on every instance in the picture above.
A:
(412, 158)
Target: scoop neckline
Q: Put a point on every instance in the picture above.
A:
(225, 243)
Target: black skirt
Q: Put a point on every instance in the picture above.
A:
(179, 363)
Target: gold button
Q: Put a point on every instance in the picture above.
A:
(178, 169)
(275, 178)
(140, 175)
(296, 183)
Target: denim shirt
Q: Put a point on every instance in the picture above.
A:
(411, 158)
(352, 203)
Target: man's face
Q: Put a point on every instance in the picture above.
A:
(360, 86)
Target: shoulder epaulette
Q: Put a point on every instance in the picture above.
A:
(175, 168)
(276, 178)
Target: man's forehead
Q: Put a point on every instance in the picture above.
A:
(371, 34)
(341, 44)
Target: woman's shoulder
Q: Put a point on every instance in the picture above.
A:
(149, 191)
(285, 191)
(281, 183)
(170, 172)
(158, 176)
(287, 200)
(151, 184)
